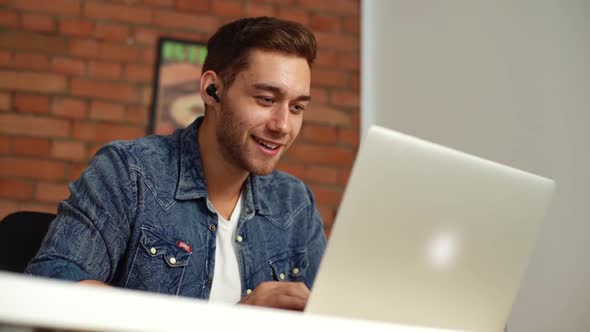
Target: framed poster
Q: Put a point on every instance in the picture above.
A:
(176, 101)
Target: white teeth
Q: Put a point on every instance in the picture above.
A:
(267, 145)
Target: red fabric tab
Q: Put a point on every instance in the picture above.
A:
(184, 246)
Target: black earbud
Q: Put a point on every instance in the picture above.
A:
(212, 91)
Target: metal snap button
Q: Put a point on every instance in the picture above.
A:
(248, 291)
(172, 260)
(212, 228)
(282, 276)
(295, 271)
(239, 238)
(153, 251)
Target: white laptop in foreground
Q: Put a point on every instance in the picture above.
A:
(429, 236)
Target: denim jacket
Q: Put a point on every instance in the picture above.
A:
(139, 218)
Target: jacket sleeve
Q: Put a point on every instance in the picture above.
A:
(316, 242)
(92, 227)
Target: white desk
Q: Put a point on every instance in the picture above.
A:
(28, 301)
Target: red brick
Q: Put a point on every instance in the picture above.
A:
(118, 52)
(328, 78)
(70, 108)
(326, 195)
(356, 119)
(38, 207)
(16, 189)
(227, 8)
(112, 32)
(322, 175)
(68, 66)
(139, 73)
(31, 147)
(5, 59)
(326, 58)
(104, 70)
(68, 150)
(294, 14)
(51, 192)
(137, 115)
(114, 12)
(7, 207)
(319, 96)
(345, 99)
(326, 155)
(107, 111)
(32, 168)
(318, 134)
(351, 25)
(326, 115)
(159, 3)
(197, 6)
(344, 176)
(75, 170)
(327, 214)
(103, 132)
(30, 61)
(33, 126)
(5, 144)
(60, 7)
(146, 36)
(329, 40)
(93, 149)
(83, 48)
(9, 18)
(256, 9)
(348, 137)
(5, 101)
(105, 90)
(40, 23)
(148, 56)
(205, 23)
(76, 27)
(146, 95)
(349, 61)
(35, 82)
(29, 103)
(325, 23)
(333, 6)
(355, 82)
(297, 170)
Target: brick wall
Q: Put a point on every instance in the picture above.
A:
(75, 74)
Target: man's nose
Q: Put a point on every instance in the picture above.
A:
(279, 121)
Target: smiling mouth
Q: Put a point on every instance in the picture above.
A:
(267, 145)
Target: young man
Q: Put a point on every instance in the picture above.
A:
(201, 213)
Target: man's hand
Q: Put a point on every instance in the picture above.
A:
(93, 283)
(282, 295)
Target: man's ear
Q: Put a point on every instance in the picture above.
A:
(211, 87)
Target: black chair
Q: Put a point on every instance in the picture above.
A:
(21, 234)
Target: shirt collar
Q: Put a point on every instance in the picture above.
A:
(191, 181)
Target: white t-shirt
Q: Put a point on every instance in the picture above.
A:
(226, 286)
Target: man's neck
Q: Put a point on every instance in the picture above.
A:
(224, 180)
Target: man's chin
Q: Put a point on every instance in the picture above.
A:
(262, 170)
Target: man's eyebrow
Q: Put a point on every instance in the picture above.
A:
(278, 91)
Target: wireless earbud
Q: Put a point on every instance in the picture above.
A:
(212, 91)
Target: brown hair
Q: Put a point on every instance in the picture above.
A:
(228, 49)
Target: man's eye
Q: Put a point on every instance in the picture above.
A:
(297, 108)
(265, 100)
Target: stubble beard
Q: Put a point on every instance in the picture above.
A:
(229, 139)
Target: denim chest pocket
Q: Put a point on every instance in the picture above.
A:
(290, 266)
(159, 264)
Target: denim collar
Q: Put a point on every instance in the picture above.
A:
(191, 180)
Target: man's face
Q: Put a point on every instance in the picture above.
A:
(261, 112)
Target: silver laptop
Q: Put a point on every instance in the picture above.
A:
(429, 236)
